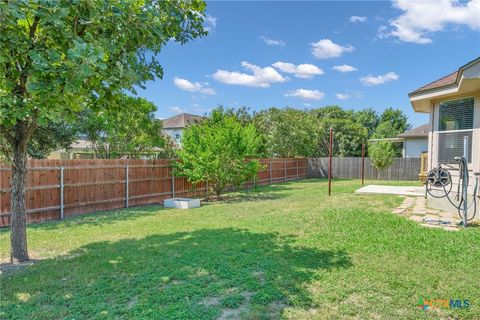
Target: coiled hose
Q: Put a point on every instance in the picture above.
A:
(440, 177)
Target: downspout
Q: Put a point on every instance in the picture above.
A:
(432, 116)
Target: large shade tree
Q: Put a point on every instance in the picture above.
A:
(56, 56)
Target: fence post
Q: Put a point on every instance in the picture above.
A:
(206, 188)
(126, 186)
(173, 186)
(270, 171)
(62, 184)
(254, 180)
(297, 169)
(284, 170)
(363, 163)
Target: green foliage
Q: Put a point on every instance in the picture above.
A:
(57, 56)
(368, 118)
(218, 151)
(382, 154)
(396, 119)
(287, 132)
(134, 131)
(291, 132)
(232, 301)
(51, 137)
(385, 130)
(333, 112)
(348, 134)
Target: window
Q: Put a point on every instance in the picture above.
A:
(455, 122)
(456, 115)
(177, 136)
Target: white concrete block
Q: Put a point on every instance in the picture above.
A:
(181, 203)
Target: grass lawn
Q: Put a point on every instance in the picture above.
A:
(286, 250)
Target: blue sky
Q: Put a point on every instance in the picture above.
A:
(304, 55)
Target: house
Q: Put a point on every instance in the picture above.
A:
(453, 103)
(174, 126)
(415, 141)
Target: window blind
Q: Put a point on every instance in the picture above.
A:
(456, 114)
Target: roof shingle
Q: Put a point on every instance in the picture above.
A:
(445, 81)
(181, 120)
(417, 132)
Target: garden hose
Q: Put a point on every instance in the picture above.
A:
(439, 177)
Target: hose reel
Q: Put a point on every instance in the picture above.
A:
(440, 180)
(439, 177)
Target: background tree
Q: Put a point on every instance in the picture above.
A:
(348, 133)
(134, 131)
(219, 150)
(287, 132)
(382, 154)
(368, 118)
(56, 56)
(396, 119)
(347, 140)
(50, 138)
(392, 123)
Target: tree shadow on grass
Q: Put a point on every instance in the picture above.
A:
(99, 217)
(185, 275)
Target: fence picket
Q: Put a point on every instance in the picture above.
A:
(402, 169)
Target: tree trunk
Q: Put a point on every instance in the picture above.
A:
(18, 234)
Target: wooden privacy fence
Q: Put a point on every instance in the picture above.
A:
(57, 189)
(351, 168)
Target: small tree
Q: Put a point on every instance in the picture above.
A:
(382, 154)
(218, 150)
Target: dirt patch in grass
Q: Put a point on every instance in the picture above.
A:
(210, 301)
(7, 268)
(132, 302)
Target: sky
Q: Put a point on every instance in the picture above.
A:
(356, 54)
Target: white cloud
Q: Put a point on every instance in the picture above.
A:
(422, 18)
(342, 96)
(210, 23)
(186, 85)
(259, 77)
(305, 71)
(357, 19)
(345, 68)
(306, 94)
(272, 42)
(325, 49)
(371, 80)
(177, 109)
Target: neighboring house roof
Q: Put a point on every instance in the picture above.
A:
(181, 120)
(81, 144)
(418, 132)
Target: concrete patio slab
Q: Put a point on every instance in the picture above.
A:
(397, 190)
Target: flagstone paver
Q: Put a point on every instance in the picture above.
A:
(416, 209)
